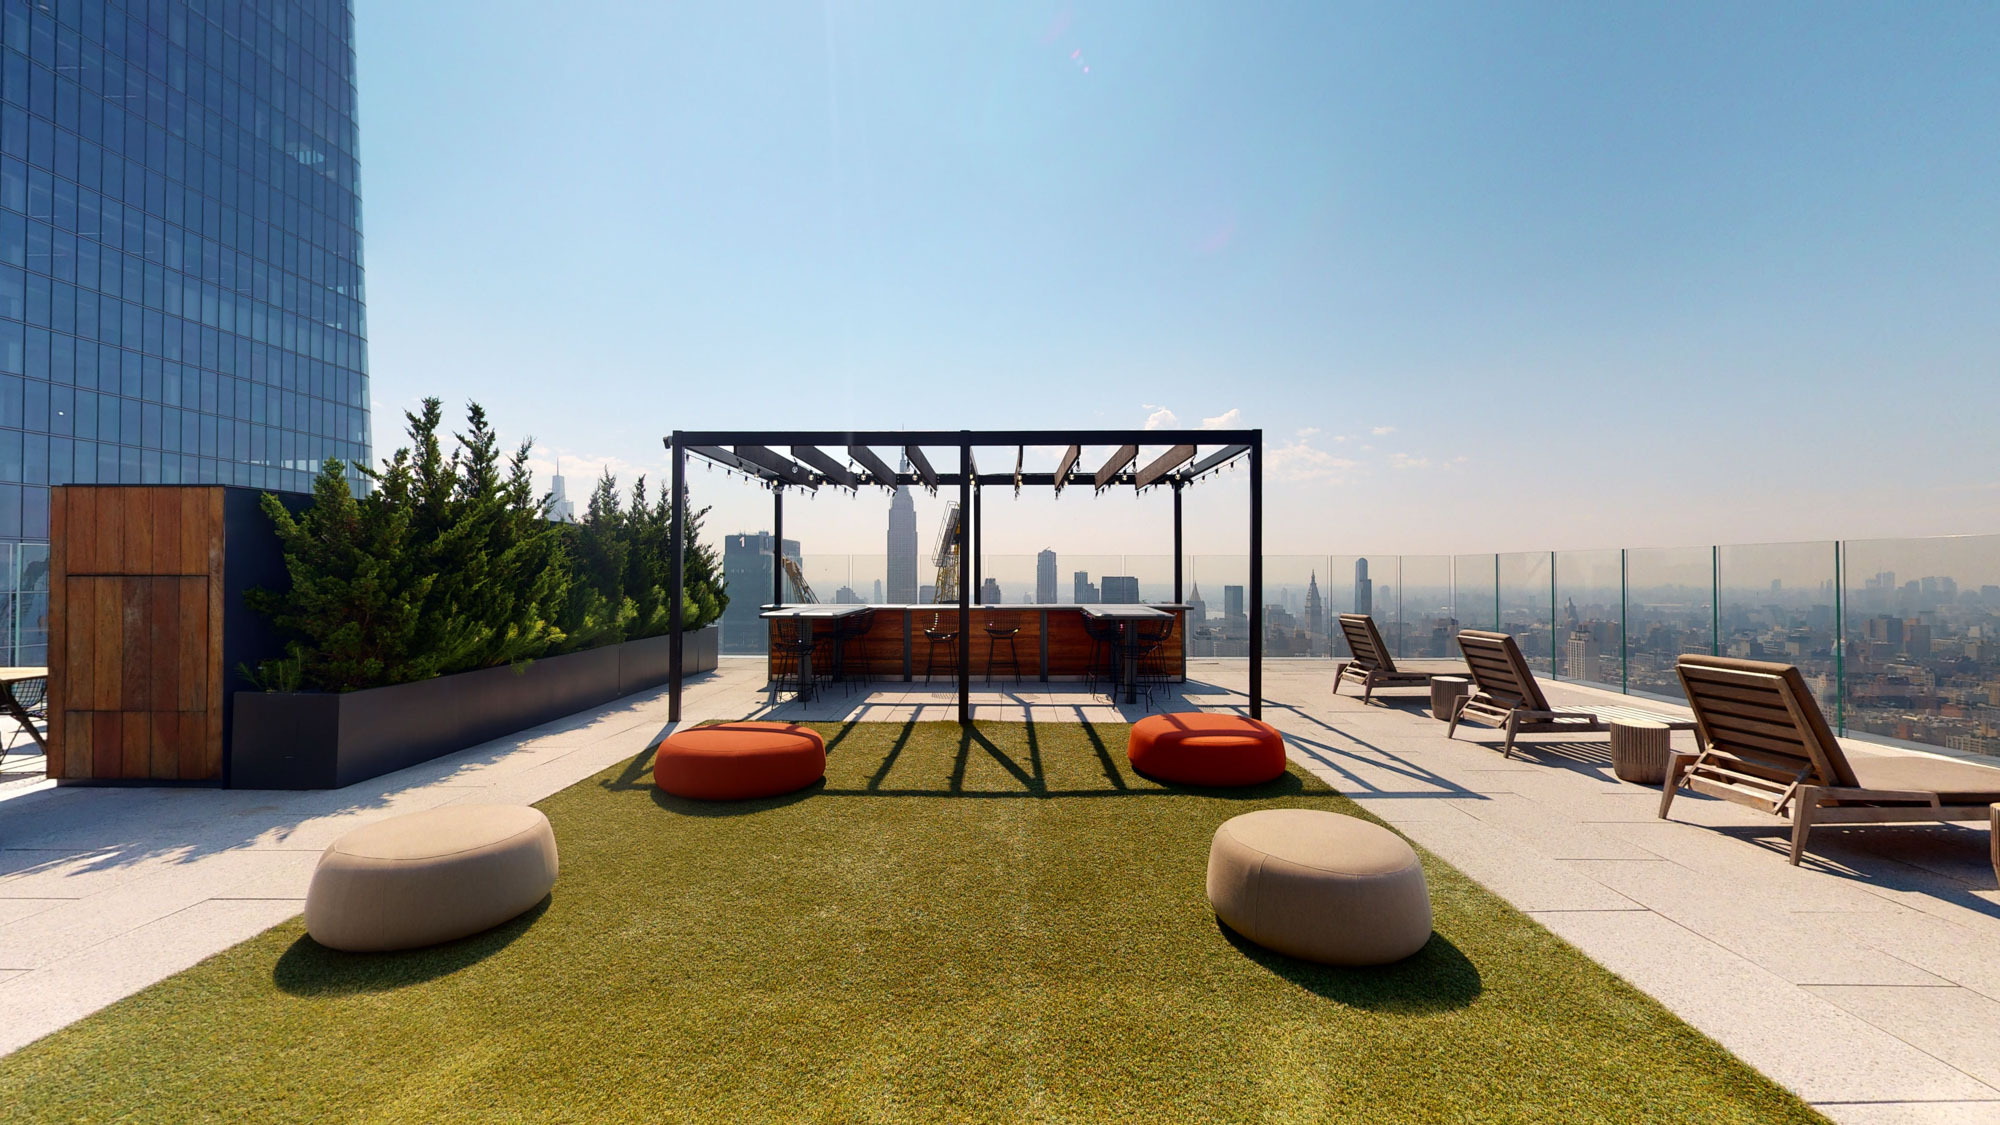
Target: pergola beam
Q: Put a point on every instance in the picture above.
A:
(826, 466)
(1152, 473)
(878, 472)
(925, 474)
(1068, 464)
(1215, 460)
(787, 470)
(731, 461)
(1119, 460)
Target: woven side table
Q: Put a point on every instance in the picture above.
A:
(1446, 692)
(1639, 751)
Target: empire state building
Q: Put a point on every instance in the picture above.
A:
(902, 587)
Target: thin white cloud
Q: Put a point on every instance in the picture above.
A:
(1227, 420)
(1383, 431)
(1300, 460)
(1160, 418)
(1405, 461)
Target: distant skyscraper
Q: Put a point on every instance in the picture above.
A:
(878, 591)
(1197, 609)
(1085, 591)
(1121, 589)
(1364, 590)
(1315, 612)
(903, 546)
(846, 596)
(746, 574)
(1232, 601)
(1581, 655)
(1045, 577)
(561, 509)
(926, 594)
(989, 593)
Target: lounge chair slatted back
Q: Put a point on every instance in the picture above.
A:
(1500, 671)
(1763, 720)
(1365, 642)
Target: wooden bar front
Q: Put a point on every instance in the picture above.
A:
(895, 647)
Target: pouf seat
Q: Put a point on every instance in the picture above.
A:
(739, 761)
(430, 877)
(1319, 886)
(1199, 748)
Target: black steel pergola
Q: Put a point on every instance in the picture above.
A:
(854, 464)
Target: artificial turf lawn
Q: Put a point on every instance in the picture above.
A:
(1010, 927)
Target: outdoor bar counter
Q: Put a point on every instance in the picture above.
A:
(1052, 643)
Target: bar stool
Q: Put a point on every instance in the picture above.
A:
(854, 627)
(997, 635)
(938, 635)
(1103, 653)
(1155, 666)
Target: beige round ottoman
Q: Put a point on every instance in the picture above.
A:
(428, 877)
(1319, 886)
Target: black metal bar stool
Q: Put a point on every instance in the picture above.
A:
(938, 635)
(997, 635)
(1103, 654)
(850, 629)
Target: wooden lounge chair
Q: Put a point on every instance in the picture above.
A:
(1764, 743)
(1505, 694)
(1372, 666)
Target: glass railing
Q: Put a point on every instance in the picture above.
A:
(1899, 639)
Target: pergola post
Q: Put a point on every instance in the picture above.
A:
(1257, 575)
(1177, 540)
(978, 541)
(677, 454)
(777, 544)
(964, 587)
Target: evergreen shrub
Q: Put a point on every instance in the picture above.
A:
(450, 562)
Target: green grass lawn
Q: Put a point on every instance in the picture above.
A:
(1010, 927)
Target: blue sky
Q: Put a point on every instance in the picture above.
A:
(1491, 277)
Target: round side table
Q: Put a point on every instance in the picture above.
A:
(1639, 751)
(1446, 694)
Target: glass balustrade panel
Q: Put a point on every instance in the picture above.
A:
(1590, 618)
(1921, 658)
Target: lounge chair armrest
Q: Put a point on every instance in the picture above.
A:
(1913, 796)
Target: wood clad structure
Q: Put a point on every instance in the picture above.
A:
(135, 633)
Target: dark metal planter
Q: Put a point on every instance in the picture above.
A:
(325, 740)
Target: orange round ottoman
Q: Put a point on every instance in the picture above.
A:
(739, 761)
(1199, 748)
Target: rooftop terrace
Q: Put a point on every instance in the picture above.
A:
(1863, 982)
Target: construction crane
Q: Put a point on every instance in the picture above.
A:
(797, 578)
(947, 557)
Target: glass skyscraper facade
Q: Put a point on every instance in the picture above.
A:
(181, 294)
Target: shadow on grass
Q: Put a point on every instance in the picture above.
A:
(1437, 978)
(308, 968)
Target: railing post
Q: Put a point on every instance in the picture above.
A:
(1839, 637)
(676, 615)
(1624, 622)
(1715, 600)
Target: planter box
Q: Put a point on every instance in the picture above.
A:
(325, 740)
